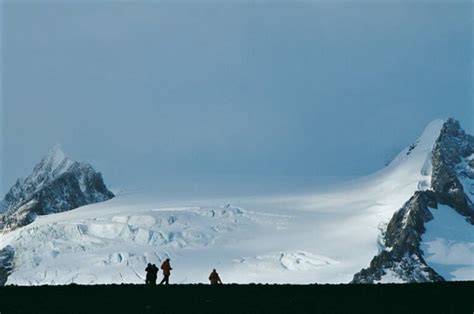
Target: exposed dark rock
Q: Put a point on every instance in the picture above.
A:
(411, 148)
(452, 146)
(411, 217)
(402, 254)
(6, 263)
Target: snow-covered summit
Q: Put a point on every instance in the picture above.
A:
(422, 147)
(415, 161)
(56, 184)
(450, 189)
(55, 161)
(51, 166)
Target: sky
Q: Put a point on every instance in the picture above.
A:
(193, 97)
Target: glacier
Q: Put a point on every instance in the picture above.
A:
(324, 237)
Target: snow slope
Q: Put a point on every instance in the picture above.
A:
(448, 244)
(323, 237)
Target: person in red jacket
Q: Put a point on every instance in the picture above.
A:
(166, 267)
(214, 278)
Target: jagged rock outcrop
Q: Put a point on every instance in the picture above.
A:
(452, 184)
(452, 165)
(57, 184)
(402, 254)
(6, 263)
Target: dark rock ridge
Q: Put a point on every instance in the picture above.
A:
(451, 166)
(6, 263)
(452, 184)
(402, 254)
(57, 184)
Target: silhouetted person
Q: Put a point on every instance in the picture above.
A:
(214, 278)
(166, 267)
(151, 274)
(155, 273)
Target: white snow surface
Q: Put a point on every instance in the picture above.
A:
(324, 237)
(390, 277)
(448, 244)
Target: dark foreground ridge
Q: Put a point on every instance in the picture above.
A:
(441, 297)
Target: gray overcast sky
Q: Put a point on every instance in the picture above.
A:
(172, 95)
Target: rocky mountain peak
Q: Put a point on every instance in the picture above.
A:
(452, 184)
(51, 166)
(56, 184)
(54, 159)
(453, 171)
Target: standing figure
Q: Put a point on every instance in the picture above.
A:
(155, 274)
(166, 267)
(151, 274)
(214, 278)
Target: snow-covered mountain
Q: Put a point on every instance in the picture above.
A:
(57, 184)
(414, 216)
(451, 163)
